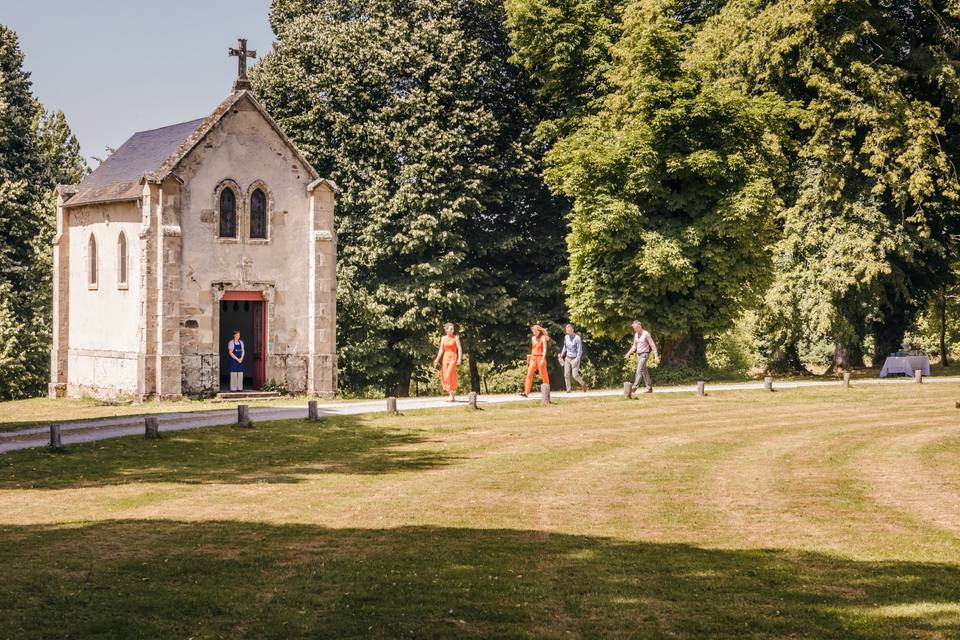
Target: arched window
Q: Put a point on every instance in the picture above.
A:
(122, 260)
(92, 267)
(258, 214)
(228, 213)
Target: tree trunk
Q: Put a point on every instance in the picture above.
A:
(786, 360)
(474, 372)
(847, 354)
(687, 351)
(404, 374)
(888, 334)
(942, 308)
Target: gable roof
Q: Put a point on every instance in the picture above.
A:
(155, 154)
(118, 177)
(170, 164)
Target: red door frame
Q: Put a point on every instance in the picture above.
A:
(259, 363)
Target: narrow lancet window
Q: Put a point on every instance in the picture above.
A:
(92, 267)
(122, 260)
(258, 214)
(228, 213)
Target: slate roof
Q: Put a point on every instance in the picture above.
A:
(118, 177)
(156, 153)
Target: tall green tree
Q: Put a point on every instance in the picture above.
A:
(37, 151)
(62, 162)
(21, 167)
(413, 108)
(873, 187)
(566, 44)
(673, 185)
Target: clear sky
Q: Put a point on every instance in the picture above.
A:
(119, 66)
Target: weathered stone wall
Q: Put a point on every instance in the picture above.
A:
(322, 367)
(290, 370)
(103, 318)
(200, 374)
(243, 152)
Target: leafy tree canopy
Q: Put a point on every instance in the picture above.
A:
(413, 108)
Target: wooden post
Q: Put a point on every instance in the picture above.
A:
(151, 429)
(243, 416)
(768, 383)
(701, 388)
(846, 379)
(472, 400)
(312, 412)
(627, 390)
(55, 442)
(918, 375)
(545, 393)
(391, 405)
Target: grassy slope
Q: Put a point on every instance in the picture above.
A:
(816, 512)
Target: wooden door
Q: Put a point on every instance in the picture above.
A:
(259, 338)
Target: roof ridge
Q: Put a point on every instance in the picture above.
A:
(169, 126)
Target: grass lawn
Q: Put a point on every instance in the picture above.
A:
(807, 513)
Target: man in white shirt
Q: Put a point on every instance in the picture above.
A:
(570, 358)
(643, 345)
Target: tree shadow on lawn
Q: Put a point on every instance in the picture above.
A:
(271, 452)
(162, 579)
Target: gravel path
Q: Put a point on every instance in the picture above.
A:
(105, 428)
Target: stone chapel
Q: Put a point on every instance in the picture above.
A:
(183, 235)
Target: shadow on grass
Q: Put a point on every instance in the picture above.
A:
(161, 579)
(278, 452)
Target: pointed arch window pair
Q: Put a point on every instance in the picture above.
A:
(93, 262)
(228, 213)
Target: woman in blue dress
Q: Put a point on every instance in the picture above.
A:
(236, 351)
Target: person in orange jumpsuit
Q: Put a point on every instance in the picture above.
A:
(448, 359)
(537, 360)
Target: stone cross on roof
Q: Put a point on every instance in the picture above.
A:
(242, 53)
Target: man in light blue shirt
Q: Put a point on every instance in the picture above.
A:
(570, 358)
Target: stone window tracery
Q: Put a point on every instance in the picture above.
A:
(258, 214)
(228, 213)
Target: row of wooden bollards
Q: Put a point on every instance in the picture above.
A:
(767, 384)
(471, 400)
(151, 431)
(152, 423)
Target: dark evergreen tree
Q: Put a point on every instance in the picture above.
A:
(37, 151)
(21, 168)
(414, 109)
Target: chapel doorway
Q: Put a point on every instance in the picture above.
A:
(246, 311)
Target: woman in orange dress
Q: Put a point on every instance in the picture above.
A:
(448, 359)
(537, 360)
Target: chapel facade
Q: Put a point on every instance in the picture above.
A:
(183, 235)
